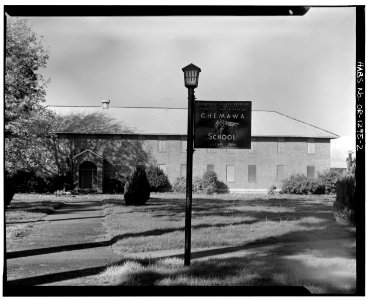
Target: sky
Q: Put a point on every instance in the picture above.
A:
(301, 66)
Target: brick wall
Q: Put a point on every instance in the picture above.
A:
(267, 153)
(292, 155)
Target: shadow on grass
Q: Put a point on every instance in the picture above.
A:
(266, 264)
(217, 207)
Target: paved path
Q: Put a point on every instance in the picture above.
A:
(64, 242)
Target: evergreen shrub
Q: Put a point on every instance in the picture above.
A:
(158, 180)
(138, 189)
(344, 206)
(210, 182)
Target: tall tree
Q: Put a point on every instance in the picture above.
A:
(26, 119)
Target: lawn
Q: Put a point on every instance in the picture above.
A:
(217, 221)
(237, 240)
(287, 240)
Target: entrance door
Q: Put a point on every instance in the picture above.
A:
(87, 175)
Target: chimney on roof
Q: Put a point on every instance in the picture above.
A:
(105, 103)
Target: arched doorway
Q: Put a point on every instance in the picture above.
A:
(87, 174)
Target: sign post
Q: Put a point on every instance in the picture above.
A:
(191, 76)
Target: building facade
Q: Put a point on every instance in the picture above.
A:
(281, 146)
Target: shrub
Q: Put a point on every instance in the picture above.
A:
(179, 186)
(114, 185)
(344, 204)
(329, 180)
(28, 182)
(210, 182)
(59, 182)
(158, 180)
(300, 184)
(9, 190)
(222, 187)
(295, 184)
(271, 190)
(198, 185)
(138, 189)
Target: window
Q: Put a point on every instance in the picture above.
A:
(211, 150)
(183, 145)
(183, 170)
(252, 176)
(211, 168)
(280, 172)
(280, 143)
(162, 145)
(163, 167)
(229, 173)
(311, 146)
(310, 171)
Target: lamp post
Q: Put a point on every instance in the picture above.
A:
(191, 76)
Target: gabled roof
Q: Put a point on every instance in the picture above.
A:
(173, 121)
(87, 150)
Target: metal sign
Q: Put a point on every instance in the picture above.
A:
(223, 124)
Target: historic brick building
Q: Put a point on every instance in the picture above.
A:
(111, 141)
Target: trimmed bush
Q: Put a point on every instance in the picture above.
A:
(158, 180)
(208, 184)
(138, 189)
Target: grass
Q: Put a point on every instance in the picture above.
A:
(237, 240)
(227, 220)
(287, 240)
(233, 271)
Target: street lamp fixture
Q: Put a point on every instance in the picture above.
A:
(191, 76)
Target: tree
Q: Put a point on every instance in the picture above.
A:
(26, 120)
